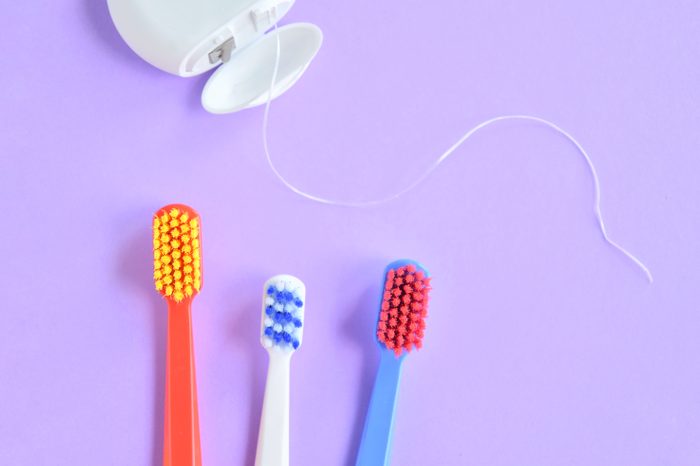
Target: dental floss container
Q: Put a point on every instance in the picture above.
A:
(190, 37)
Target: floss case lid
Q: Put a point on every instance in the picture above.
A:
(245, 81)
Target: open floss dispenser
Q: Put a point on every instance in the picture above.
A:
(190, 37)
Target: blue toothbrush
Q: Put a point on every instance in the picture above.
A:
(400, 328)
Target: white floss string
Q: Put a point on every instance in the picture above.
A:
(442, 158)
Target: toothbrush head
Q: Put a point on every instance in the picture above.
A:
(282, 326)
(404, 307)
(177, 266)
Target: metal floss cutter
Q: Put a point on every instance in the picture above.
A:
(190, 37)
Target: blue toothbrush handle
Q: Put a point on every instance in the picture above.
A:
(375, 445)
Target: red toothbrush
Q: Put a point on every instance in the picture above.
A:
(178, 277)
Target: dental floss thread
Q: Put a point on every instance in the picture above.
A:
(442, 158)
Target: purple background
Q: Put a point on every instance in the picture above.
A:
(544, 345)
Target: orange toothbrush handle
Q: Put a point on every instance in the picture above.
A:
(181, 444)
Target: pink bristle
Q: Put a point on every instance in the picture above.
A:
(403, 310)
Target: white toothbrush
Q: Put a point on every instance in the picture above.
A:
(281, 331)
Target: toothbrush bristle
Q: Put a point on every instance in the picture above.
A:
(283, 312)
(177, 266)
(404, 308)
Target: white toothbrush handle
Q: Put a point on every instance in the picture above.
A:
(273, 437)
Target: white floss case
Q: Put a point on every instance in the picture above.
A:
(190, 37)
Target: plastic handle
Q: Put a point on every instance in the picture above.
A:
(181, 444)
(273, 438)
(375, 446)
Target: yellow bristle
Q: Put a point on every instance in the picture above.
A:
(176, 254)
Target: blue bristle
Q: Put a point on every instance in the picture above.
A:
(283, 315)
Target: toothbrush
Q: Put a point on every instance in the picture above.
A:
(400, 328)
(281, 332)
(178, 277)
